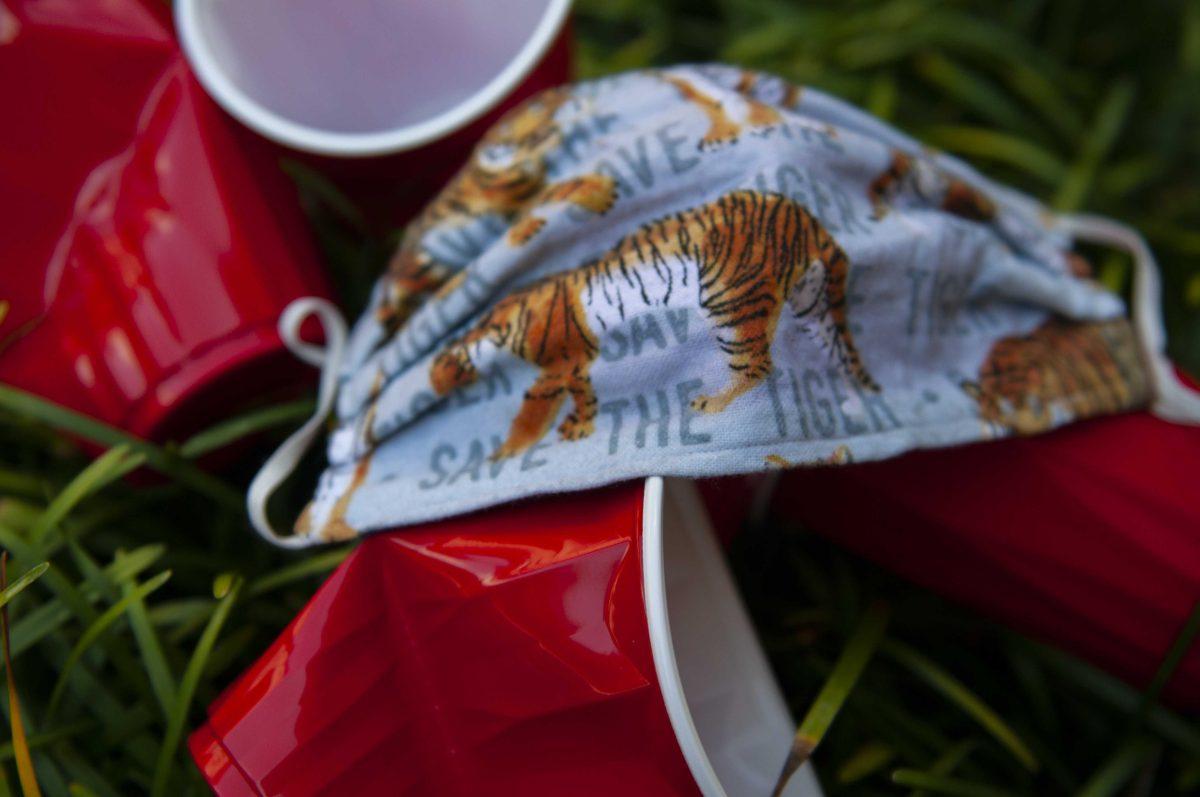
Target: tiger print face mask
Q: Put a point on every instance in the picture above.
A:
(700, 271)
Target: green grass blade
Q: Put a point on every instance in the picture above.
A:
(25, 771)
(1109, 120)
(95, 630)
(49, 737)
(317, 185)
(85, 779)
(1119, 769)
(866, 761)
(187, 688)
(18, 514)
(829, 701)
(234, 429)
(13, 482)
(189, 612)
(938, 784)
(233, 646)
(30, 406)
(957, 693)
(998, 147)
(49, 616)
(305, 568)
(882, 96)
(16, 547)
(150, 647)
(972, 91)
(949, 761)
(83, 776)
(1077, 674)
(113, 464)
(762, 42)
(1188, 779)
(1036, 689)
(1179, 648)
(17, 587)
(1045, 98)
(116, 716)
(81, 609)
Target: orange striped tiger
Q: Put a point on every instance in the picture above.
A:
(931, 184)
(1082, 368)
(746, 254)
(505, 177)
(722, 128)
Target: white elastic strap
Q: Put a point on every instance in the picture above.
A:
(1173, 400)
(281, 463)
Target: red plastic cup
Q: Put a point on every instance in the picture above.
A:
(385, 98)
(147, 251)
(1087, 537)
(586, 644)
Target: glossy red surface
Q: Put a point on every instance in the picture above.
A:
(155, 246)
(503, 653)
(1087, 537)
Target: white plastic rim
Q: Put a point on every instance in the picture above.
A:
(728, 714)
(308, 138)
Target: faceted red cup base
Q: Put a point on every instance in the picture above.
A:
(582, 644)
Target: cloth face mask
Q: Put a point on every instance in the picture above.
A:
(699, 271)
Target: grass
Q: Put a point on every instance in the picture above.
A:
(947, 702)
(138, 591)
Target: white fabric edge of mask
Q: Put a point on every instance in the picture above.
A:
(1172, 399)
(285, 458)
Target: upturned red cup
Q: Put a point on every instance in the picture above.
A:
(1087, 537)
(147, 250)
(586, 644)
(385, 99)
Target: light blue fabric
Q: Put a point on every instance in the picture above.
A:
(932, 287)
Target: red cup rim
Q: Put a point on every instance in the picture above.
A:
(205, 63)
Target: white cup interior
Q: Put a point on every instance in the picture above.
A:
(726, 709)
(363, 77)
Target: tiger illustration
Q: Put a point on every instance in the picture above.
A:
(334, 528)
(324, 517)
(744, 254)
(1082, 368)
(931, 184)
(749, 81)
(722, 127)
(505, 177)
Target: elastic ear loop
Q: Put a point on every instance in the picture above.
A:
(1173, 400)
(285, 459)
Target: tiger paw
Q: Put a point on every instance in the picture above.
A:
(605, 200)
(598, 194)
(524, 230)
(709, 404)
(574, 428)
(710, 142)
